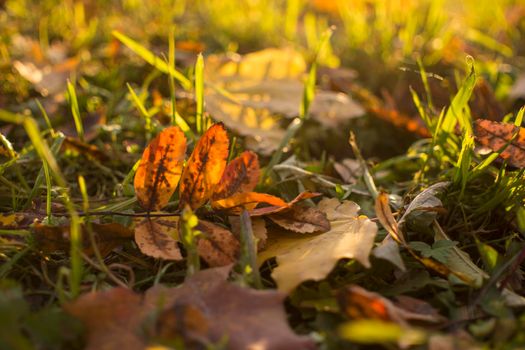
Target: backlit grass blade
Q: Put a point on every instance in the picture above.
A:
(152, 59)
(73, 101)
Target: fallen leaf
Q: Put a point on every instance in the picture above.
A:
(495, 136)
(312, 257)
(302, 219)
(218, 246)
(244, 318)
(158, 237)
(112, 319)
(241, 175)
(160, 169)
(51, 239)
(204, 310)
(91, 151)
(332, 109)
(247, 199)
(205, 167)
(359, 303)
(273, 209)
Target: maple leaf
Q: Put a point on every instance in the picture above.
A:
(506, 138)
(205, 167)
(312, 257)
(160, 169)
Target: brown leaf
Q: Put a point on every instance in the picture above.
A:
(160, 169)
(359, 303)
(302, 219)
(241, 175)
(218, 247)
(112, 319)
(91, 151)
(205, 167)
(157, 237)
(56, 238)
(246, 318)
(496, 135)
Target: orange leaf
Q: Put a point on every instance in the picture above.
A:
(205, 167)
(249, 200)
(240, 175)
(496, 135)
(279, 208)
(160, 169)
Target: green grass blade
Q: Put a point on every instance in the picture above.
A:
(73, 101)
(152, 59)
(199, 93)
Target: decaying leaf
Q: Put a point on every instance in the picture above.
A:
(241, 175)
(205, 310)
(218, 246)
(160, 169)
(157, 237)
(91, 151)
(205, 167)
(57, 238)
(263, 87)
(273, 208)
(312, 257)
(111, 318)
(496, 136)
(359, 303)
(302, 219)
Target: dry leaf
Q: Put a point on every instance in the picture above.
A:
(496, 135)
(273, 209)
(205, 167)
(160, 169)
(359, 303)
(112, 319)
(302, 219)
(218, 247)
(246, 318)
(248, 199)
(91, 151)
(57, 238)
(157, 237)
(312, 257)
(241, 175)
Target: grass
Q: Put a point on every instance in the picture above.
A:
(141, 68)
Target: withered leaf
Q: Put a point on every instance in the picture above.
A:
(241, 175)
(249, 200)
(243, 316)
(205, 167)
(302, 219)
(160, 169)
(312, 257)
(157, 237)
(57, 238)
(279, 208)
(91, 151)
(218, 247)
(495, 136)
(112, 319)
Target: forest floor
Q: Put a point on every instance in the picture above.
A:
(264, 174)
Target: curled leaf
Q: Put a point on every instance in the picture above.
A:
(241, 175)
(205, 167)
(248, 200)
(157, 237)
(160, 169)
